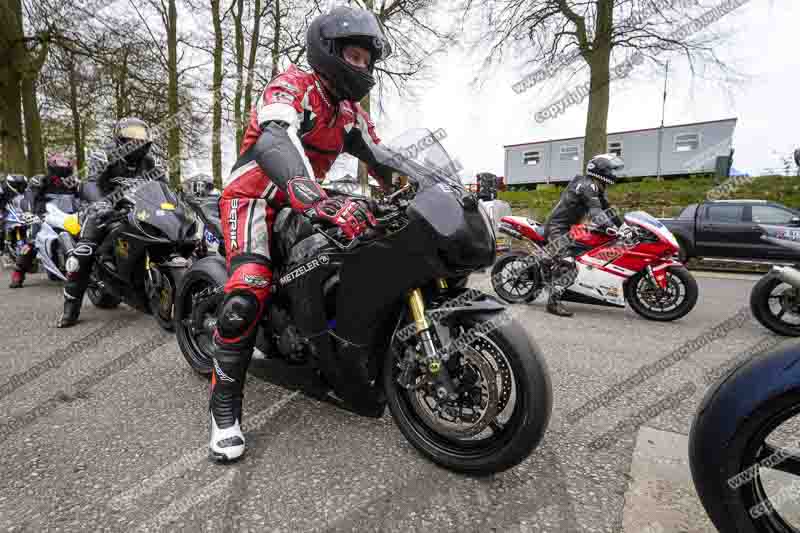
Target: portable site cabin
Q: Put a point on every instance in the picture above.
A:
(685, 149)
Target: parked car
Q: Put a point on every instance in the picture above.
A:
(730, 229)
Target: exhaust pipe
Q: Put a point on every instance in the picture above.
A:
(510, 232)
(788, 275)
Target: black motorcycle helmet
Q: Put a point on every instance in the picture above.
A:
(797, 157)
(132, 137)
(330, 33)
(17, 183)
(604, 167)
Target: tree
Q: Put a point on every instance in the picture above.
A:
(573, 35)
(216, 121)
(415, 39)
(23, 56)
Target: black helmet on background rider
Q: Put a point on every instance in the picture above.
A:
(797, 157)
(17, 183)
(605, 167)
(59, 165)
(326, 39)
(132, 137)
(201, 184)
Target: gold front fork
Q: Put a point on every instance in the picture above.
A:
(417, 306)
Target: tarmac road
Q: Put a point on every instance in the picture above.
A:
(104, 427)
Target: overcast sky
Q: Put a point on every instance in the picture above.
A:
(762, 44)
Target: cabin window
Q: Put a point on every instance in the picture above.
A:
(687, 142)
(615, 148)
(569, 153)
(531, 158)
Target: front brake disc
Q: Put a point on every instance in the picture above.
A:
(434, 411)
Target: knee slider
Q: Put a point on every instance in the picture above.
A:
(238, 312)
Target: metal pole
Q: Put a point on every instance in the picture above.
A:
(661, 129)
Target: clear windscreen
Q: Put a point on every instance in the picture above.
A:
(418, 154)
(65, 203)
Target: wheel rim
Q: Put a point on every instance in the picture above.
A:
(198, 325)
(783, 303)
(516, 281)
(491, 429)
(661, 301)
(772, 463)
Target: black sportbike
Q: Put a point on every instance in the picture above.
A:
(469, 389)
(146, 252)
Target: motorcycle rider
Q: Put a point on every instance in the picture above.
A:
(301, 123)
(60, 179)
(125, 156)
(12, 186)
(585, 196)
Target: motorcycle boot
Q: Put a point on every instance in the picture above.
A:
(555, 306)
(227, 392)
(17, 279)
(78, 268)
(234, 342)
(562, 275)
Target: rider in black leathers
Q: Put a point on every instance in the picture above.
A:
(585, 196)
(60, 179)
(10, 186)
(127, 156)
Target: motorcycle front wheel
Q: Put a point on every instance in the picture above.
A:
(672, 303)
(743, 447)
(776, 305)
(503, 406)
(514, 280)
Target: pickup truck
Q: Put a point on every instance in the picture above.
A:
(730, 229)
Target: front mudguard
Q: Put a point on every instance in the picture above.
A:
(659, 271)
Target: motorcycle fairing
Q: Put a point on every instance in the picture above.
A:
(599, 284)
(157, 207)
(526, 226)
(464, 237)
(640, 218)
(45, 238)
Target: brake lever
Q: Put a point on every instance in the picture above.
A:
(397, 193)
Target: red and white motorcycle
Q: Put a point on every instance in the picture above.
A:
(635, 264)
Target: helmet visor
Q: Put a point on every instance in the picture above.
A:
(136, 132)
(348, 23)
